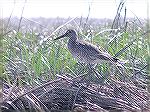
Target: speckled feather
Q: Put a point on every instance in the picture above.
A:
(86, 52)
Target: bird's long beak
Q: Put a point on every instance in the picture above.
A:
(64, 35)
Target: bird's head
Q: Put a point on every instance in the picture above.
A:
(69, 33)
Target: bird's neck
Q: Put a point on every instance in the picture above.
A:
(72, 42)
(72, 39)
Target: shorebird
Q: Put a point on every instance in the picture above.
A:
(86, 52)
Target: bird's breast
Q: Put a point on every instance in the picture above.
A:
(80, 53)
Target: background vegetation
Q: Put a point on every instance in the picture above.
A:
(30, 56)
(31, 53)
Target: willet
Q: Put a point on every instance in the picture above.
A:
(86, 52)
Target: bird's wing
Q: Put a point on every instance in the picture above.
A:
(94, 52)
(88, 46)
(106, 56)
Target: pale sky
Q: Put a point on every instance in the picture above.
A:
(72, 8)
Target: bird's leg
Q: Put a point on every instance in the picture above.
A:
(92, 72)
(89, 74)
(84, 76)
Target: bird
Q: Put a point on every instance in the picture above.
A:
(86, 52)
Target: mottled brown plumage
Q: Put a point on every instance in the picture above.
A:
(85, 52)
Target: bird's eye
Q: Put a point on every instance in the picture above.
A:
(69, 31)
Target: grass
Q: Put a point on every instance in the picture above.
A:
(28, 56)
(30, 53)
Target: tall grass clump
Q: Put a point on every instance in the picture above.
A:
(33, 56)
(40, 73)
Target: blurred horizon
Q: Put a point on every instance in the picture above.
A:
(65, 8)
